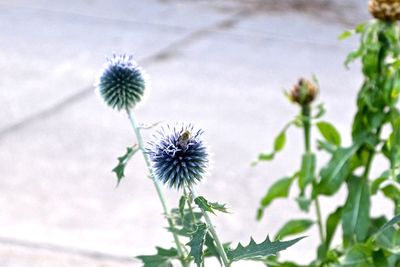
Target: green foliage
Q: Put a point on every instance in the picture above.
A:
(329, 132)
(280, 189)
(209, 206)
(366, 241)
(355, 214)
(254, 251)
(294, 227)
(307, 170)
(122, 161)
(279, 144)
(197, 242)
(161, 259)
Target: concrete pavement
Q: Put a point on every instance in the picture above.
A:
(221, 65)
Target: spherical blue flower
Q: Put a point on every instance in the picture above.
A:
(122, 83)
(178, 155)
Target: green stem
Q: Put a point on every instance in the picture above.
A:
(160, 194)
(220, 247)
(189, 202)
(306, 113)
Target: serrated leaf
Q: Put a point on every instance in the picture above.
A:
(294, 227)
(329, 132)
(355, 215)
(205, 205)
(196, 243)
(254, 251)
(161, 259)
(211, 250)
(307, 170)
(122, 161)
(280, 189)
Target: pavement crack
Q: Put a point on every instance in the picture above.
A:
(166, 53)
(65, 250)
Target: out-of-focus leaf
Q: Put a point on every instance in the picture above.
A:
(337, 170)
(355, 215)
(307, 170)
(280, 189)
(294, 227)
(329, 132)
(161, 259)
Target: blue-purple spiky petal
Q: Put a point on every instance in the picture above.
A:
(178, 161)
(122, 83)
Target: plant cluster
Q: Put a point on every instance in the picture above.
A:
(366, 240)
(178, 157)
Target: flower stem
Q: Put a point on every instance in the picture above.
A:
(306, 113)
(160, 194)
(220, 247)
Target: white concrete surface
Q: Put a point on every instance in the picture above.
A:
(220, 65)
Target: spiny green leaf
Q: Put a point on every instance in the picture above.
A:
(294, 227)
(205, 205)
(254, 251)
(355, 215)
(211, 250)
(280, 189)
(196, 243)
(307, 170)
(122, 161)
(161, 259)
(329, 132)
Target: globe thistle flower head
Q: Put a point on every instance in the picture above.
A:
(178, 155)
(304, 92)
(386, 10)
(122, 83)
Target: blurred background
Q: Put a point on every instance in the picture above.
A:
(222, 65)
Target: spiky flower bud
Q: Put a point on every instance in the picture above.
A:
(387, 10)
(178, 155)
(304, 92)
(122, 82)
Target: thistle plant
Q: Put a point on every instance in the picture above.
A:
(178, 157)
(366, 240)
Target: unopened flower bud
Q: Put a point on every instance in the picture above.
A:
(387, 10)
(304, 92)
